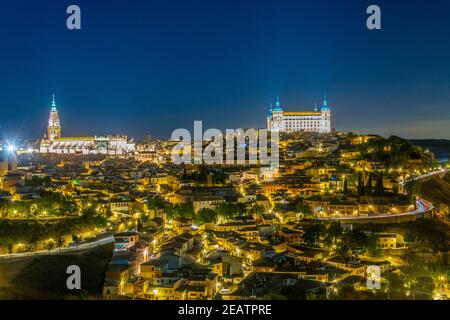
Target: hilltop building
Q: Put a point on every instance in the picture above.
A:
(54, 142)
(297, 121)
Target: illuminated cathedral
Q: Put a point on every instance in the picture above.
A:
(55, 143)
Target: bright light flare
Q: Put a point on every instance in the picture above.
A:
(11, 148)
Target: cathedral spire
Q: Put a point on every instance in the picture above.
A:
(315, 106)
(277, 103)
(54, 126)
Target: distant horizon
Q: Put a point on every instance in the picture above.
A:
(72, 133)
(167, 136)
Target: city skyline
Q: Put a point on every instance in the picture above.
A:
(249, 155)
(151, 68)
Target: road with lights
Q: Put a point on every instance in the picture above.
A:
(74, 249)
(422, 206)
(424, 176)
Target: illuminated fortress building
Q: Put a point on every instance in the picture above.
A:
(308, 121)
(53, 142)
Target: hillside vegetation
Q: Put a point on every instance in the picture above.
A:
(437, 190)
(45, 277)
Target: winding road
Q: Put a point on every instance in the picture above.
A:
(424, 176)
(74, 249)
(422, 206)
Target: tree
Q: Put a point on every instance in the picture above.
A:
(368, 189)
(347, 292)
(379, 185)
(156, 203)
(205, 215)
(312, 234)
(31, 245)
(424, 284)
(361, 190)
(372, 244)
(139, 225)
(257, 210)
(49, 245)
(4, 205)
(8, 244)
(345, 186)
(75, 238)
(344, 251)
(90, 216)
(182, 210)
(60, 242)
(414, 189)
(241, 209)
(410, 237)
(395, 189)
(333, 233)
(301, 207)
(357, 241)
(396, 284)
(230, 210)
(170, 212)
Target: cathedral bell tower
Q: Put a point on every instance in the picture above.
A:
(54, 126)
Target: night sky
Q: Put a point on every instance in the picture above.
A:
(149, 67)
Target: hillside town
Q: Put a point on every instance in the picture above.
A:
(344, 216)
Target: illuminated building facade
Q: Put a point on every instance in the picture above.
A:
(54, 126)
(54, 143)
(308, 121)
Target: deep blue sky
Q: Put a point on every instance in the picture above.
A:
(140, 67)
